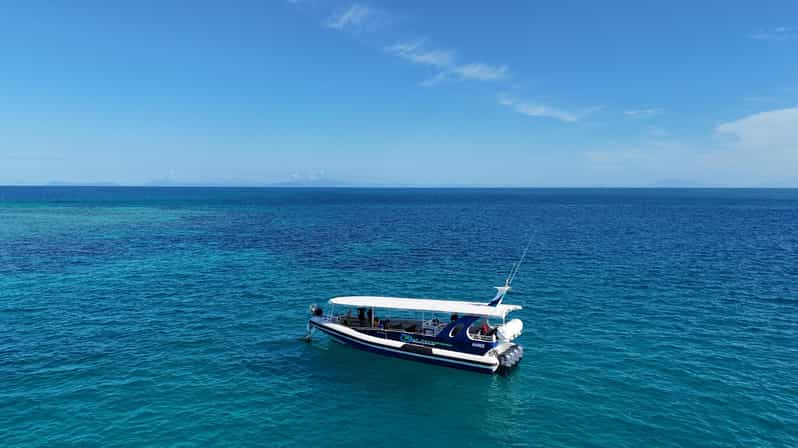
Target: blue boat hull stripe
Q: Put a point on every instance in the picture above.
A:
(407, 356)
(390, 351)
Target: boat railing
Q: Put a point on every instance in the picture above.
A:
(477, 335)
(482, 337)
(405, 326)
(389, 325)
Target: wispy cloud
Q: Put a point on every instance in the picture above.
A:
(777, 33)
(355, 18)
(439, 78)
(448, 67)
(416, 52)
(642, 113)
(543, 111)
(481, 72)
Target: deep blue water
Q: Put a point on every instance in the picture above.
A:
(173, 316)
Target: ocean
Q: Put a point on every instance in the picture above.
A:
(175, 316)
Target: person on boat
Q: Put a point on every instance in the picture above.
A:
(361, 316)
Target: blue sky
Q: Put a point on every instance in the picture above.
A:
(400, 93)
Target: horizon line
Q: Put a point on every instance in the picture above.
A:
(400, 187)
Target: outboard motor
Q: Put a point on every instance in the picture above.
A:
(315, 311)
(510, 330)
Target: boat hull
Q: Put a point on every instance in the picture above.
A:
(413, 352)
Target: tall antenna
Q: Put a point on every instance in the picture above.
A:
(516, 266)
(502, 290)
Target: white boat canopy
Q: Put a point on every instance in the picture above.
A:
(440, 306)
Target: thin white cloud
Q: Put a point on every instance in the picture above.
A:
(417, 53)
(543, 111)
(777, 33)
(439, 78)
(355, 17)
(481, 72)
(642, 113)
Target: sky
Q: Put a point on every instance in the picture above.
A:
(405, 93)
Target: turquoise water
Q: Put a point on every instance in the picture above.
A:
(132, 317)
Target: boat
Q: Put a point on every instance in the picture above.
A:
(472, 336)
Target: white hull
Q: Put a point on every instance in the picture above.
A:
(488, 363)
